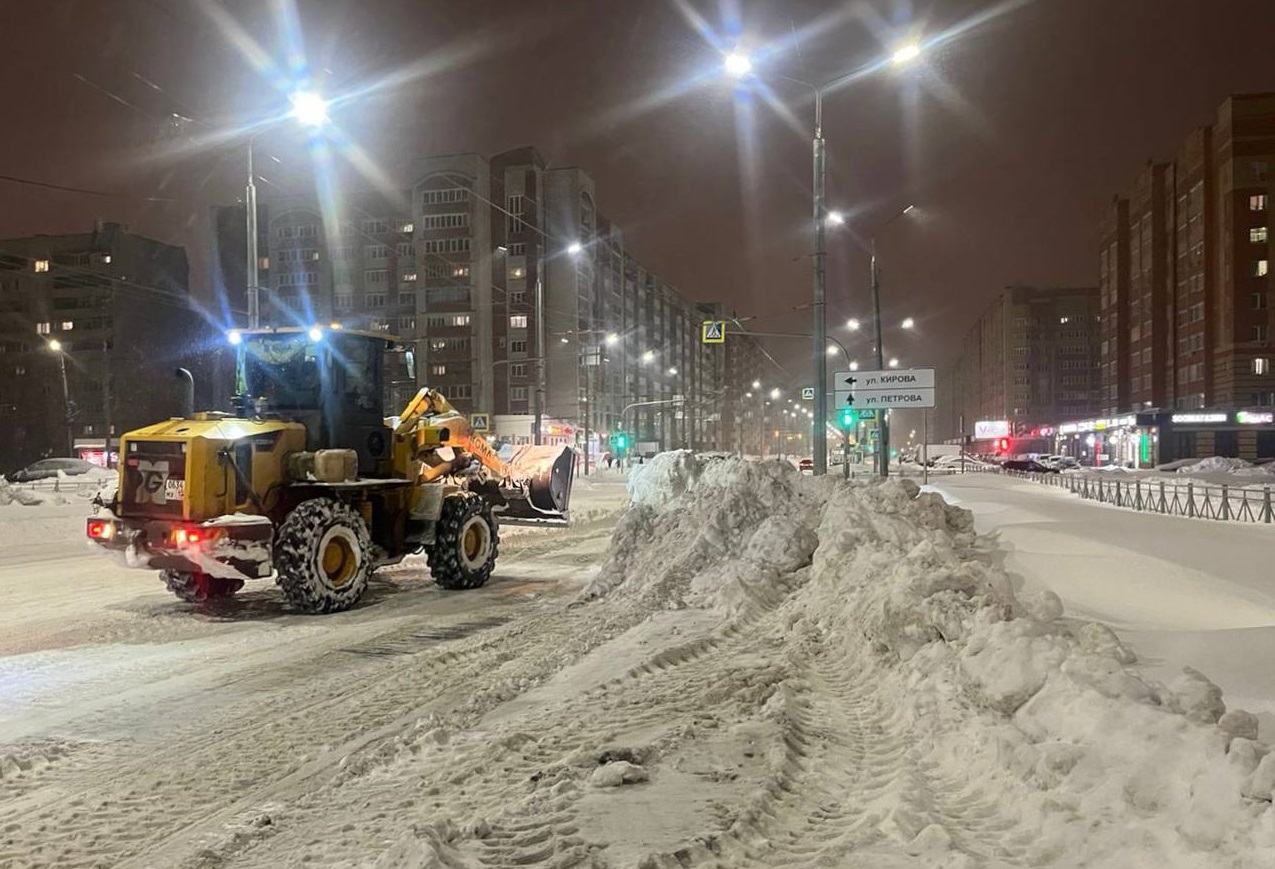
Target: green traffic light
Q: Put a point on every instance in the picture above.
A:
(848, 418)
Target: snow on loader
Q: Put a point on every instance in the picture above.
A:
(309, 479)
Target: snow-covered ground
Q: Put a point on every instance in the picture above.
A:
(750, 668)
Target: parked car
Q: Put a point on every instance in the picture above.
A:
(46, 469)
(806, 464)
(1031, 466)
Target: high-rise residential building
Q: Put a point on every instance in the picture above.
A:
(455, 263)
(1031, 360)
(1184, 274)
(113, 310)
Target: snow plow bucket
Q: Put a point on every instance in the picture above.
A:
(547, 473)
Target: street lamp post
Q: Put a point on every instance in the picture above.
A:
(56, 346)
(883, 424)
(738, 65)
(310, 110)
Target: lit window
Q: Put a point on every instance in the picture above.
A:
(1257, 234)
(518, 321)
(1260, 267)
(264, 263)
(409, 277)
(68, 325)
(460, 271)
(438, 370)
(1257, 202)
(43, 328)
(406, 227)
(42, 265)
(460, 319)
(518, 272)
(1261, 365)
(106, 258)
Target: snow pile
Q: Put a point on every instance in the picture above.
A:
(1214, 465)
(996, 714)
(710, 531)
(11, 494)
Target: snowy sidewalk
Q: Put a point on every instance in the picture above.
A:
(1182, 592)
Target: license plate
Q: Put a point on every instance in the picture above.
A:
(174, 490)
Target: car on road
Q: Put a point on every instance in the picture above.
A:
(1031, 466)
(46, 469)
(806, 464)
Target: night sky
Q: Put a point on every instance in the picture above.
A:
(1010, 136)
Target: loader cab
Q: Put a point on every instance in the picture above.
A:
(334, 382)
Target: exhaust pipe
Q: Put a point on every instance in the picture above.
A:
(188, 392)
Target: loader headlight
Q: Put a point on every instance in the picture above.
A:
(234, 337)
(316, 334)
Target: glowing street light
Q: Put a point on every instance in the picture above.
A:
(672, 371)
(906, 52)
(836, 218)
(774, 393)
(575, 248)
(756, 384)
(612, 339)
(648, 356)
(853, 324)
(832, 350)
(908, 323)
(309, 109)
(854, 365)
(894, 363)
(737, 64)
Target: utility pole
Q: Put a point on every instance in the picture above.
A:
(254, 290)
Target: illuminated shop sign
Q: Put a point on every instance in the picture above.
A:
(986, 429)
(1098, 424)
(1200, 418)
(1255, 417)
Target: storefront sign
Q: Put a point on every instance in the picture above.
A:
(1255, 417)
(1098, 424)
(1200, 418)
(988, 429)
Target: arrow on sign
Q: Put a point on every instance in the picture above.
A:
(850, 381)
(850, 398)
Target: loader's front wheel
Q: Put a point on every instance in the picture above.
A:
(199, 587)
(465, 544)
(323, 556)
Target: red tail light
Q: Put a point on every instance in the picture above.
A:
(99, 529)
(187, 536)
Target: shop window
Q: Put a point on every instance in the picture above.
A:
(1226, 443)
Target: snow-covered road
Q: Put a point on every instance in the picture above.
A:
(1181, 592)
(750, 668)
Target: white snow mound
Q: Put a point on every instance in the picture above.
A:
(995, 705)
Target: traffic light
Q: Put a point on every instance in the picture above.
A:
(1003, 445)
(849, 419)
(620, 440)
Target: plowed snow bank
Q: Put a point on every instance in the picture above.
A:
(1004, 711)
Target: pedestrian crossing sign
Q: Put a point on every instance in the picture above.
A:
(479, 421)
(713, 332)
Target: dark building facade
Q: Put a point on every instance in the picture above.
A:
(1184, 264)
(453, 262)
(114, 309)
(1030, 360)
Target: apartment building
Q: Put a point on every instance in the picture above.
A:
(455, 261)
(1030, 359)
(1184, 276)
(113, 309)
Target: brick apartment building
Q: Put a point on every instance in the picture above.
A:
(452, 262)
(1183, 274)
(118, 307)
(1030, 359)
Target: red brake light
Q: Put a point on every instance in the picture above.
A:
(187, 536)
(100, 530)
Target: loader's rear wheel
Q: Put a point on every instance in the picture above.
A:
(324, 556)
(199, 587)
(465, 544)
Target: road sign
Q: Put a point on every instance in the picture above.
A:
(713, 332)
(479, 421)
(808, 393)
(869, 390)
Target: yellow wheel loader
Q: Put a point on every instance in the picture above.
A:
(309, 480)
